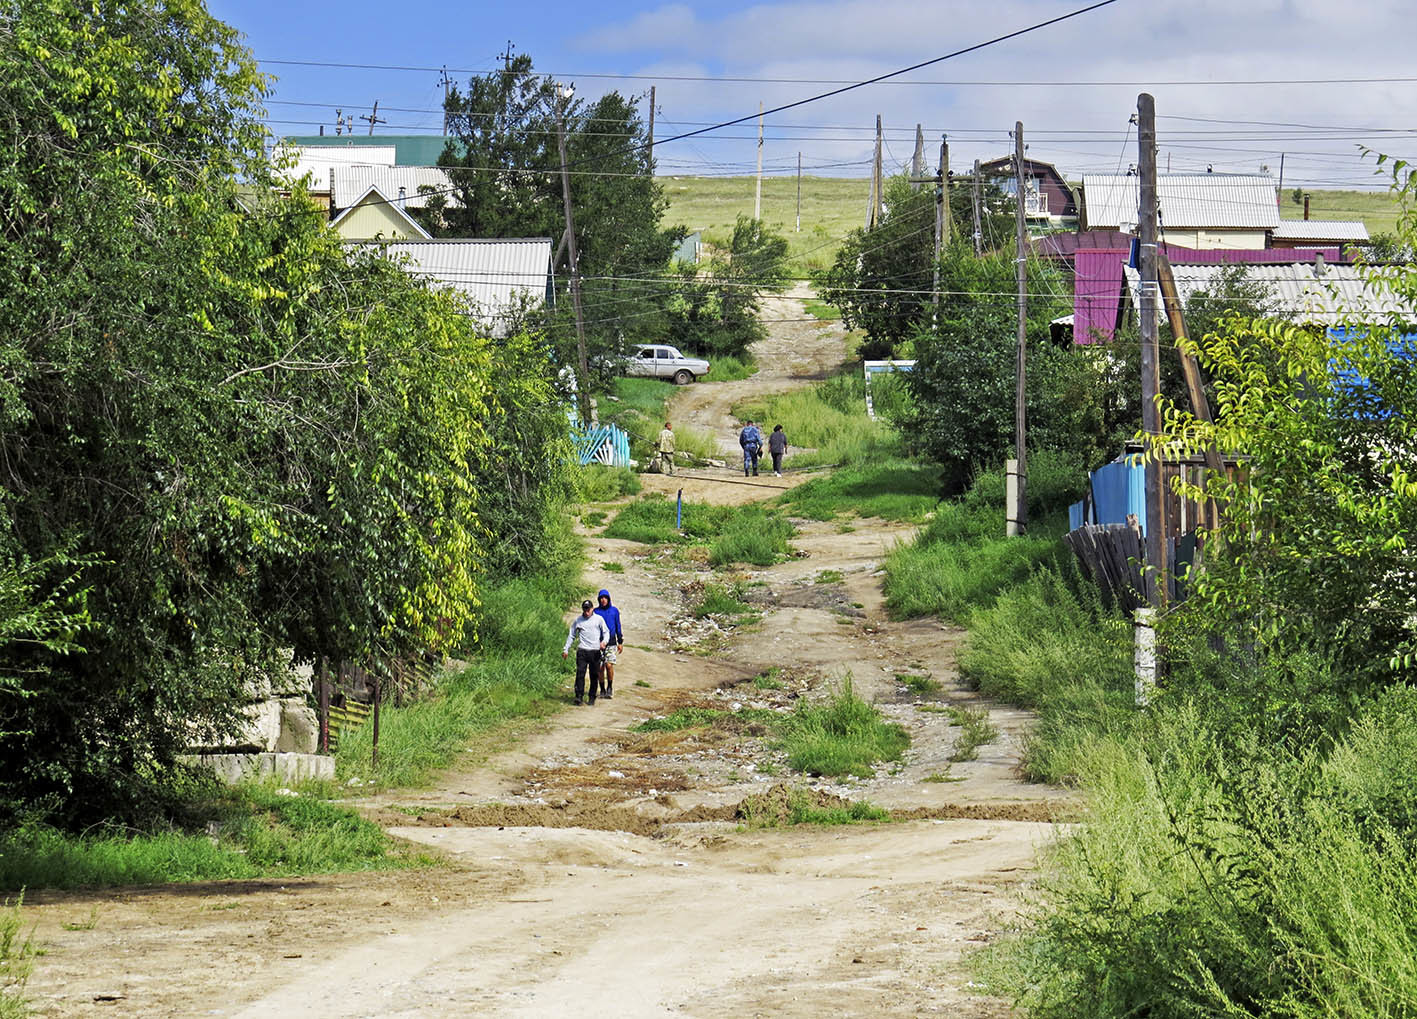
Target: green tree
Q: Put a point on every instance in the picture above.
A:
(714, 310)
(223, 436)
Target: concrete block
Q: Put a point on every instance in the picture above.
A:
(299, 727)
(285, 768)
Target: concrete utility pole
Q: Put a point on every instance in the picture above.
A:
(877, 185)
(583, 375)
(1150, 358)
(978, 235)
(758, 193)
(917, 161)
(1017, 523)
(445, 80)
(649, 151)
(942, 215)
(799, 193)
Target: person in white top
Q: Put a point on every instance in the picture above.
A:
(590, 635)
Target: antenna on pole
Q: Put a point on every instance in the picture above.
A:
(507, 55)
(339, 122)
(446, 81)
(373, 117)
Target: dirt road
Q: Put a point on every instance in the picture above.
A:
(595, 870)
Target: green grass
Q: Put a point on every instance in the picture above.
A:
(975, 731)
(594, 518)
(831, 208)
(921, 686)
(17, 951)
(613, 567)
(257, 833)
(770, 680)
(724, 605)
(418, 739)
(699, 718)
(599, 483)
(748, 534)
(889, 488)
(828, 577)
(829, 419)
(730, 369)
(842, 736)
(821, 310)
(763, 812)
(1378, 210)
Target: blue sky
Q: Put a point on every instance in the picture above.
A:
(1176, 53)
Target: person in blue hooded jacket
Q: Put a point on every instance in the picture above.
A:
(611, 615)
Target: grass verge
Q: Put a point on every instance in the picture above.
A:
(773, 810)
(747, 534)
(246, 832)
(17, 953)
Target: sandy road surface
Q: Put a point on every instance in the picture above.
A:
(593, 870)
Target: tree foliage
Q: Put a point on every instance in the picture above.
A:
(714, 309)
(881, 279)
(223, 437)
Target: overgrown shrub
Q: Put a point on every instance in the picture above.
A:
(843, 735)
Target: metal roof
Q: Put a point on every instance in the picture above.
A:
(1187, 201)
(350, 183)
(495, 276)
(412, 149)
(397, 209)
(1313, 293)
(1320, 230)
(319, 160)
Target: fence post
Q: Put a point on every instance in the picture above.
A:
(322, 677)
(1011, 501)
(679, 512)
(373, 681)
(1144, 662)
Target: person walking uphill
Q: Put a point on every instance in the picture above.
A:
(590, 635)
(751, 439)
(777, 446)
(666, 450)
(616, 646)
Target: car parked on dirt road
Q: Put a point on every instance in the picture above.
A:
(661, 361)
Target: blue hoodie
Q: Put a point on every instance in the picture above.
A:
(611, 615)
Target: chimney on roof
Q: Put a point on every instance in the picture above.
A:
(1320, 267)
(1306, 206)
(403, 197)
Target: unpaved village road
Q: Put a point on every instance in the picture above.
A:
(596, 871)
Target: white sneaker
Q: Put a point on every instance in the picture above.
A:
(777, 474)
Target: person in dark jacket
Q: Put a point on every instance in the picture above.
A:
(751, 440)
(616, 645)
(777, 446)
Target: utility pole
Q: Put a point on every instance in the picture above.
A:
(978, 235)
(1150, 359)
(876, 183)
(917, 161)
(373, 117)
(446, 81)
(1017, 523)
(942, 215)
(583, 376)
(649, 152)
(1279, 195)
(758, 192)
(799, 193)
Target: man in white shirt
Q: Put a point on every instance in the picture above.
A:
(590, 635)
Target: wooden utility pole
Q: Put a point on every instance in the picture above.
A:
(583, 375)
(917, 161)
(799, 193)
(978, 235)
(649, 150)
(873, 210)
(758, 193)
(1019, 524)
(1150, 355)
(1191, 370)
(373, 117)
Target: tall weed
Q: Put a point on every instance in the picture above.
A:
(16, 960)
(842, 736)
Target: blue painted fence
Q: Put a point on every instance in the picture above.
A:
(604, 444)
(1118, 489)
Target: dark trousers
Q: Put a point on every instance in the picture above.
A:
(777, 462)
(587, 660)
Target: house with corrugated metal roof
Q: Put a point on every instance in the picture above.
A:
(497, 280)
(1195, 210)
(374, 215)
(1304, 233)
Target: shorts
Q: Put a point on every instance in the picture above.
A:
(608, 655)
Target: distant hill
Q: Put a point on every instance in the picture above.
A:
(833, 206)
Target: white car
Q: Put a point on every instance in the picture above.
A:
(660, 361)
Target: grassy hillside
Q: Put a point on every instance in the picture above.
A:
(1377, 209)
(831, 206)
